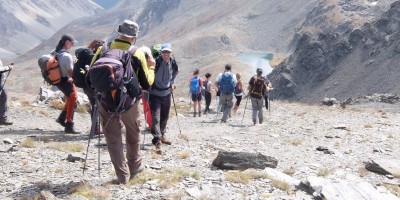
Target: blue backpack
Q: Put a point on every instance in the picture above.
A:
(226, 85)
(195, 85)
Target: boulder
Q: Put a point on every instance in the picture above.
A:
(323, 188)
(384, 166)
(243, 161)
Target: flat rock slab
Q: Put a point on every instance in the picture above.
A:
(385, 167)
(345, 190)
(243, 161)
(277, 175)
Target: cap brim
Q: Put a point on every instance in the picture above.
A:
(166, 49)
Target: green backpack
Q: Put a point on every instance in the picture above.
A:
(155, 50)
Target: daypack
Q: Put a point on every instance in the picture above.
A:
(237, 89)
(258, 87)
(84, 56)
(155, 50)
(50, 69)
(226, 85)
(195, 85)
(113, 76)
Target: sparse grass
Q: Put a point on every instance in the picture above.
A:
(24, 163)
(183, 137)
(180, 109)
(368, 126)
(45, 139)
(289, 170)
(184, 155)
(85, 190)
(266, 195)
(296, 142)
(245, 177)
(391, 136)
(362, 171)
(238, 177)
(324, 172)
(58, 170)
(142, 178)
(171, 177)
(315, 121)
(28, 143)
(44, 112)
(155, 156)
(166, 178)
(65, 147)
(57, 104)
(83, 108)
(394, 189)
(26, 104)
(280, 185)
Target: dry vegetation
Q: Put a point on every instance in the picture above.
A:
(166, 178)
(29, 143)
(65, 146)
(89, 192)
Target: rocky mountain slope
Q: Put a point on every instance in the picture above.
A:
(356, 57)
(308, 142)
(25, 24)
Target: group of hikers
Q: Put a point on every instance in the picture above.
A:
(116, 76)
(228, 85)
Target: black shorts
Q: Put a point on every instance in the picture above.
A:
(196, 97)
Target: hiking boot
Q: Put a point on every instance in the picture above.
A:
(133, 174)
(6, 122)
(61, 118)
(199, 114)
(69, 128)
(158, 147)
(164, 140)
(194, 114)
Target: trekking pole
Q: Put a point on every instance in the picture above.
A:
(245, 106)
(176, 112)
(98, 144)
(92, 132)
(269, 102)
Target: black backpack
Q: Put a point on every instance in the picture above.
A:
(84, 56)
(113, 76)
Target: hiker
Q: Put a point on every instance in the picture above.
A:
(145, 94)
(4, 120)
(257, 87)
(267, 93)
(66, 85)
(239, 91)
(122, 104)
(226, 83)
(196, 86)
(166, 71)
(85, 57)
(207, 92)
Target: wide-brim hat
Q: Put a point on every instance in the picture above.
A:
(128, 29)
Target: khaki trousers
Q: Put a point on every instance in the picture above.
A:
(112, 130)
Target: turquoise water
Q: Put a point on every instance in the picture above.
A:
(257, 60)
